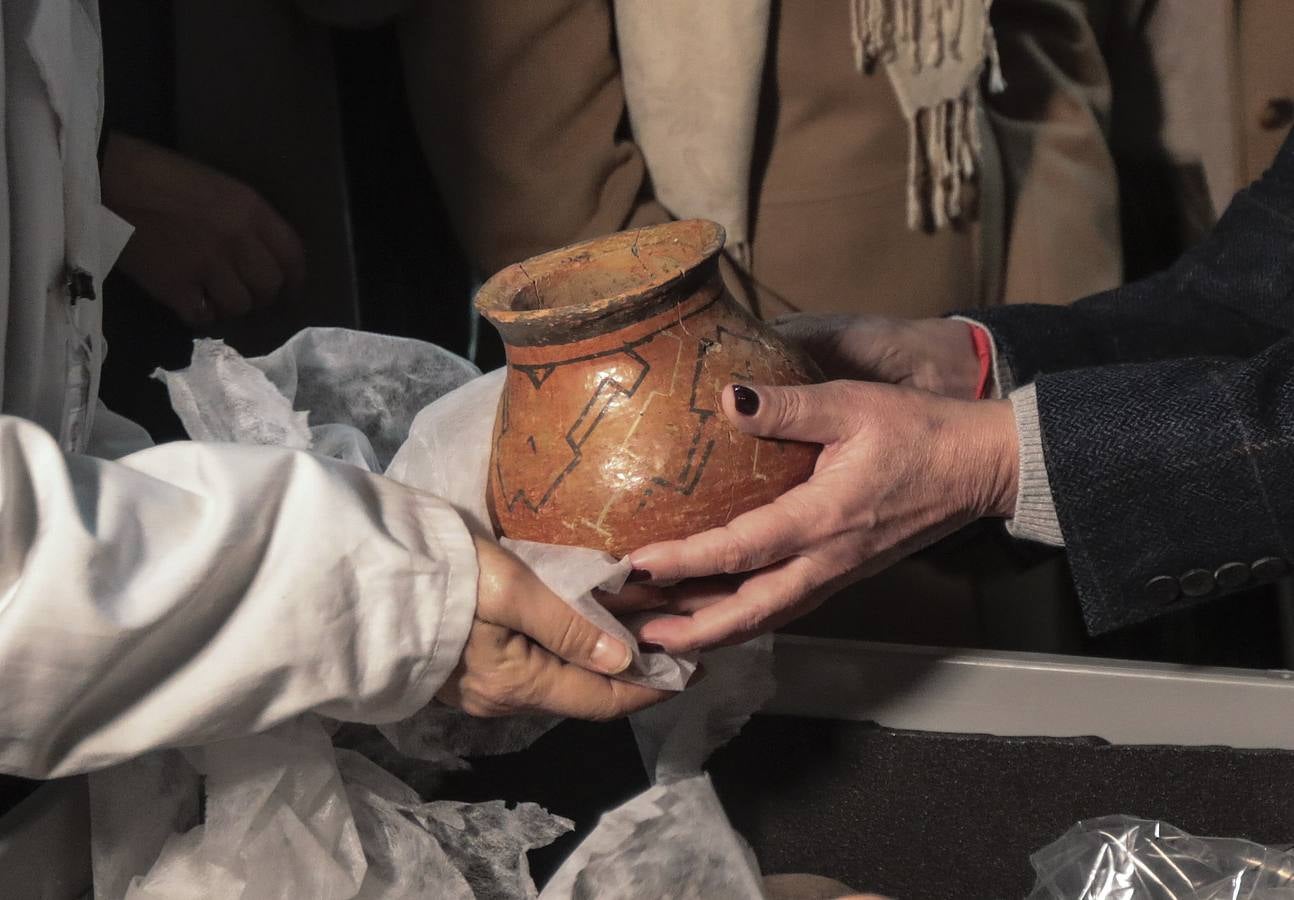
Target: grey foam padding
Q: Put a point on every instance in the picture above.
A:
(909, 814)
(917, 815)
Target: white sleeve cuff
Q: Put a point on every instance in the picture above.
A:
(1035, 509)
(446, 530)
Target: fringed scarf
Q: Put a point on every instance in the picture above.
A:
(934, 52)
(692, 72)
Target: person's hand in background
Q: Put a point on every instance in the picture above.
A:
(530, 652)
(900, 468)
(934, 355)
(206, 245)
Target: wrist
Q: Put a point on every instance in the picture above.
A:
(948, 361)
(992, 448)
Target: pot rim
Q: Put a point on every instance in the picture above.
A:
(701, 238)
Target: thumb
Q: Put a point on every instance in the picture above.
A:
(815, 413)
(549, 621)
(511, 595)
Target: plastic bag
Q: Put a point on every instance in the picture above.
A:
(1124, 858)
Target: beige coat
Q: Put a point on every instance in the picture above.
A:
(1206, 96)
(522, 113)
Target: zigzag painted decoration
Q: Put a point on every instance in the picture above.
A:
(609, 433)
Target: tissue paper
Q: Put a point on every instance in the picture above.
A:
(442, 848)
(448, 453)
(672, 841)
(289, 815)
(276, 824)
(676, 737)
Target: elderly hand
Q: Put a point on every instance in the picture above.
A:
(900, 468)
(530, 652)
(935, 355)
(205, 245)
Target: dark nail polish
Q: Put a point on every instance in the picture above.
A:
(745, 399)
(650, 648)
(638, 575)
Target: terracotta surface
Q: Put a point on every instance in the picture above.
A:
(610, 433)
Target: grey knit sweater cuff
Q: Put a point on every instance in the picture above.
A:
(1035, 510)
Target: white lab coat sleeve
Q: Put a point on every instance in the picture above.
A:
(192, 592)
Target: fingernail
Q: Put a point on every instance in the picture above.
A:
(638, 575)
(644, 647)
(611, 656)
(745, 399)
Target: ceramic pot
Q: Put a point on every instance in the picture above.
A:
(609, 431)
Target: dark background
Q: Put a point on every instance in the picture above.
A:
(411, 279)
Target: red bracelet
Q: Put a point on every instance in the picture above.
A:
(984, 351)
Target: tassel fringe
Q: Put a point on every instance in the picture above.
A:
(996, 83)
(930, 29)
(943, 153)
(943, 139)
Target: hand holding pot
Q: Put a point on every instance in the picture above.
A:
(899, 469)
(934, 355)
(530, 652)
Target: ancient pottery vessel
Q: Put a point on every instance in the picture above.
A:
(609, 433)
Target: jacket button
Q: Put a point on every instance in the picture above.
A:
(1232, 575)
(1277, 114)
(1162, 589)
(1197, 583)
(1269, 568)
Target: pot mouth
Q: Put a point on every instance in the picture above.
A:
(604, 277)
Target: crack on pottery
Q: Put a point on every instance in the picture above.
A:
(633, 250)
(693, 469)
(528, 299)
(632, 423)
(574, 439)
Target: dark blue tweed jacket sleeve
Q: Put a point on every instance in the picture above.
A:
(1167, 416)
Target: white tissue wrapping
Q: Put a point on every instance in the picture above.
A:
(289, 815)
(672, 841)
(447, 454)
